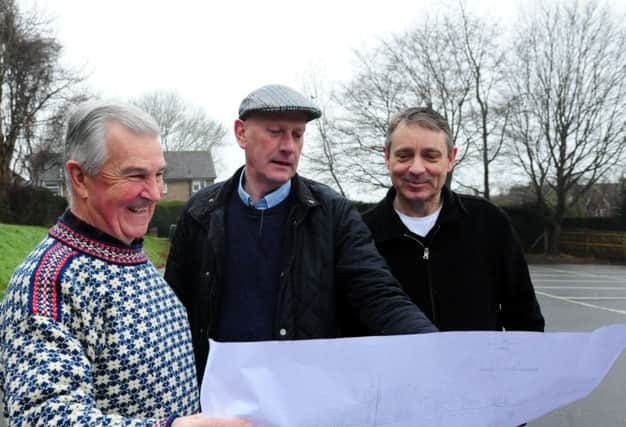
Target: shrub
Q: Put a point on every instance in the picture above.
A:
(28, 205)
(528, 224)
(165, 214)
(595, 223)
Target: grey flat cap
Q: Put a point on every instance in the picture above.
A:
(272, 98)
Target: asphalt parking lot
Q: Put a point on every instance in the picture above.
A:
(581, 298)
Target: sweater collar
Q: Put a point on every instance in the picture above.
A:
(83, 237)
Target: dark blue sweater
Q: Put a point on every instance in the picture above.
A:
(252, 275)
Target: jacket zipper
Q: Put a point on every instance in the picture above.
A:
(426, 257)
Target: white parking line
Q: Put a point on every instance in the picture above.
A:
(585, 288)
(592, 298)
(549, 270)
(574, 280)
(581, 303)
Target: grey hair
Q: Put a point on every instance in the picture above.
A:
(85, 139)
(423, 116)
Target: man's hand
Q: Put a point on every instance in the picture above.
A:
(199, 420)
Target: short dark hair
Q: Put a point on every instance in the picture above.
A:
(422, 116)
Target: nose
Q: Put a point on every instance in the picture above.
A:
(417, 166)
(288, 143)
(153, 188)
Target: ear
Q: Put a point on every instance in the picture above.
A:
(387, 154)
(77, 178)
(240, 133)
(452, 158)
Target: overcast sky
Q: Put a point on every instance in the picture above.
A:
(215, 52)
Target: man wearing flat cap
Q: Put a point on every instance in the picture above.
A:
(270, 255)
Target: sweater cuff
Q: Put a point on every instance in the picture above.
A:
(168, 422)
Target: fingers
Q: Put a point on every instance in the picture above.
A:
(227, 423)
(199, 420)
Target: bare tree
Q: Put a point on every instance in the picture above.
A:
(487, 119)
(448, 62)
(364, 106)
(568, 78)
(322, 152)
(184, 127)
(433, 60)
(622, 204)
(31, 79)
(41, 148)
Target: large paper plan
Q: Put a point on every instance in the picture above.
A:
(443, 379)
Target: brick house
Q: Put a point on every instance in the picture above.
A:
(187, 172)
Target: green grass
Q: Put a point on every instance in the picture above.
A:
(16, 241)
(157, 249)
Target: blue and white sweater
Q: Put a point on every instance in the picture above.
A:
(90, 334)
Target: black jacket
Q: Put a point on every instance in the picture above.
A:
(330, 264)
(468, 273)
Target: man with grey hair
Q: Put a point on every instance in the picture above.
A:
(90, 334)
(270, 255)
(456, 256)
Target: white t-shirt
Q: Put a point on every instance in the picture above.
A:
(420, 225)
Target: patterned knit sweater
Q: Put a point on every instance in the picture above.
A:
(91, 335)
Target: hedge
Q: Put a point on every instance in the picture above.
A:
(28, 205)
(597, 223)
(165, 214)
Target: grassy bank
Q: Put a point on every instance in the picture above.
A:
(16, 241)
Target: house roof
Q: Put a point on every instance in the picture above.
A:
(180, 165)
(189, 165)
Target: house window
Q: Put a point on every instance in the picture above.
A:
(164, 188)
(54, 187)
(196, 185)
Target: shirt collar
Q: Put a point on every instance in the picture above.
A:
(269, 200)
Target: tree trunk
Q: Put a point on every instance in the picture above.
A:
(5, 170)
(449, 179)
(486, 192)
(553, 238)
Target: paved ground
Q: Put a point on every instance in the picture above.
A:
(582, 298)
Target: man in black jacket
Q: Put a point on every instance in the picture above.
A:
(456, 256)
(269, 255)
